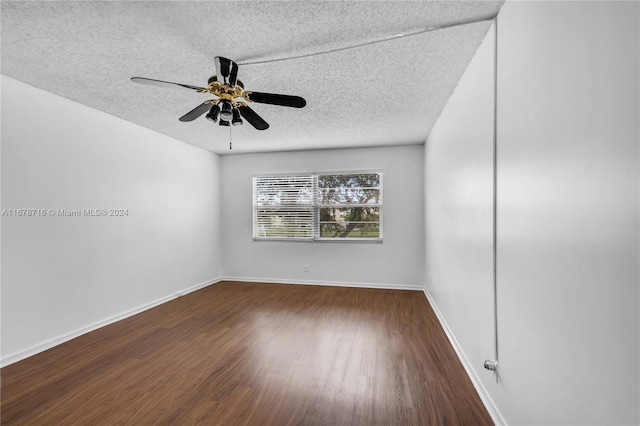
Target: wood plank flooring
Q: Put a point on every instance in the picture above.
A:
(239, 353)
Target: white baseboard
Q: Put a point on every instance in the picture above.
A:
(491, 407)
(48, 344)
(325, 283)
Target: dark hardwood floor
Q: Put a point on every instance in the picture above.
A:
(240, 353)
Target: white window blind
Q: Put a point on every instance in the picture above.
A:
(284, 207)
(327, 206)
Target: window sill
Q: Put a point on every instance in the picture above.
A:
(325, 240)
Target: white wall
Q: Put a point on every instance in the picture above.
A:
(568, 255)
(65, 275)
(459, 209)
(397, 262)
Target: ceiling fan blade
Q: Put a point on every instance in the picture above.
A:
(196, 112)
(227, 71)
(273, 99)
(254, 119)
(161, 83)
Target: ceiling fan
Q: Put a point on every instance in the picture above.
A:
(231, 98)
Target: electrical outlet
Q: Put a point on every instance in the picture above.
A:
(306, 268)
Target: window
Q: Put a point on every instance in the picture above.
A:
(349, 205)
(324, 206)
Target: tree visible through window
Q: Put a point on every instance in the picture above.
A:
(318, 206)
(349, 205)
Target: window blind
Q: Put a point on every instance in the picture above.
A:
(284, 207)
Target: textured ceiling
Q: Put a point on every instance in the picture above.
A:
(380, 94)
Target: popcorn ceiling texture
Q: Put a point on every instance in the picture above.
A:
(388, 93)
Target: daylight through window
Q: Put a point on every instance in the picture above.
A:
(325, 206)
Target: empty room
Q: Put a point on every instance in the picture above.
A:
(320, 213)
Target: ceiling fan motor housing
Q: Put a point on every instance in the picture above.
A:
(215, 78)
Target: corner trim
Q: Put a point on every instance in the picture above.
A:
(324, 283)
(48, 344)
(486, 399)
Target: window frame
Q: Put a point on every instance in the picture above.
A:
(315, 218)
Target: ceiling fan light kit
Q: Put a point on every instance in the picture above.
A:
(230, 102)
(236, 120)
(226, 110)
(213, 114)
